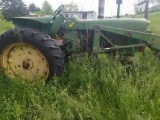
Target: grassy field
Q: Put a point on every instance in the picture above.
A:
(4, 25)
(90, 89)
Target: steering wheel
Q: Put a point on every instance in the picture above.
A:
(58, 10)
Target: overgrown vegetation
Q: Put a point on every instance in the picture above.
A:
(94, 88)
(91, 88)
(4, 25)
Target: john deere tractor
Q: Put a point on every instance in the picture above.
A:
(37, 46)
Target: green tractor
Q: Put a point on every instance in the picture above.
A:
(38, 46)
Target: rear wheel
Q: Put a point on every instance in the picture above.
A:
(30, 54)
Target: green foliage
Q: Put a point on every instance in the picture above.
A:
(155, 19)
(33, 8)
(71, 7)
(1, 16)
(13, 8)
(95, 88)
(4, 25)
(47, 8)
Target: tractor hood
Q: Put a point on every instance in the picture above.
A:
(33, 22)
(42, 23)
(44, 20)
(125, 23)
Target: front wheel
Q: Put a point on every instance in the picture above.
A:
(30, 54)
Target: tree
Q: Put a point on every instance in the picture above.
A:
(153, 3)
(1, 16)
(71, 7)
(139, 7)
(13, 8)
(47, 8)
(33, 8)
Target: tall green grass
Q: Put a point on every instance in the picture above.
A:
(91, 88)
(4, 25)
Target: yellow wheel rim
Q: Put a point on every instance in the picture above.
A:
(25, 61)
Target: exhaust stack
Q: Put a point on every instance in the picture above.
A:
(119, 2)
(101, 9)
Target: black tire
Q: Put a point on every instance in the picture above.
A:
(42, 42)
